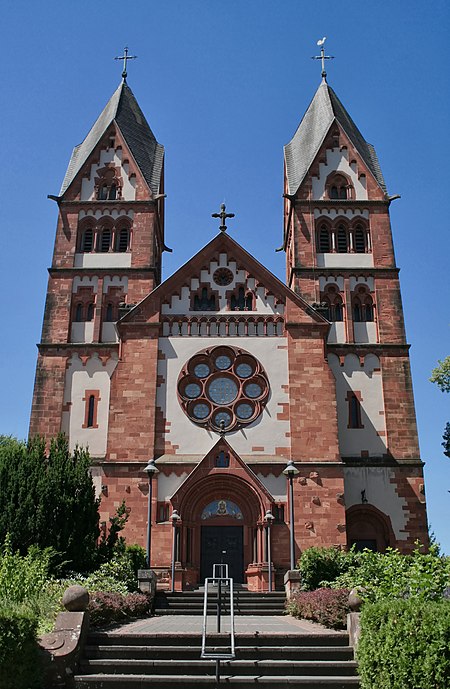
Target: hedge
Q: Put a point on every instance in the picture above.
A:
(405, 644)
(20, 662)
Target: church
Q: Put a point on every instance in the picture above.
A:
(241, 418)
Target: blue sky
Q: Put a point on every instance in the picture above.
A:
(224, 85)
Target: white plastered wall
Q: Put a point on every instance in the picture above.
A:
(267, 431)
(264, 303)
(366, 380)
(93, 376)
(379, 492)
(337, 161)
(168, 485)
(276, 485)
(114, 156)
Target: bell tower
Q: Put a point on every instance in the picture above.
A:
(107, 255)
(340, 259)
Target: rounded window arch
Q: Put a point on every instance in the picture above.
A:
(87, 239)
(90, 311)
(360, 239)
(339, 187)
(341, 239)
(104, 237)
(363, 306)
(122, 238)
(324, 239)
(334, 304)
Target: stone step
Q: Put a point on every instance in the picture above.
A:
(194, 639)
(319, 653)
(229, 667)
(111, 681)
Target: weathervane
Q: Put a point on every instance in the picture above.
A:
(223, 216)
(125, 57)
(322, 56)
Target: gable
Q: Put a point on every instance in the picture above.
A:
(224, 284)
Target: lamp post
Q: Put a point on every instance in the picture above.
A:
(269, 519)
(175, 518)
(290, 471)
(151, 471)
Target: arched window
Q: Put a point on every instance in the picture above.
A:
(338, 187)
(102, 193)
(109, 316)
(342, 243)
(122, 239)
(241, 301)
(360, 240)
(112, 195)
(354, 411)
(334, 305)
(78, 313)
(90, 312)
(87, 242)
(324, 240)
(363, 308)
(104, 240)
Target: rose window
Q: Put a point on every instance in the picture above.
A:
(223, 388)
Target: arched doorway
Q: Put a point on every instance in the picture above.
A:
(368, 527)
(222, 522)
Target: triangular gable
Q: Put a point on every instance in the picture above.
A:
(124, 111)
(207, 468)
(296, 309)
(300, 153)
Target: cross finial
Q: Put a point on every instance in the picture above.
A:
(223, 216)
(322, 56)
(125, 57)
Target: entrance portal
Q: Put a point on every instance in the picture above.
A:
(222, 544)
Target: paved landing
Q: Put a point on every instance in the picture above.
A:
(243, 624)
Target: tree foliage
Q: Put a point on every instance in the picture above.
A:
(47, 498)
(441, 375)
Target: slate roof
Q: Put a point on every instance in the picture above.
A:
(301, 151)
(123, 109)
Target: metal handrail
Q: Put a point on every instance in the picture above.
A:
(221, 584)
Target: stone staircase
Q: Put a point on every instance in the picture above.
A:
(172, 661)
(245, 603)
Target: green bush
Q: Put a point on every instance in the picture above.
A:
(115, 576)
(320, 566)
(138, 557)
(20, 663)
(405, 644)
(48, 499)
(393, 575)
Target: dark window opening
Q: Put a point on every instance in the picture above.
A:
(203, 302)
(363, 312)
(324, 240)
(90, 312)
(91, 410)
(112, 193)
(105, 241)
(334, 194)
(103, 193)
(342, 246)
(88, 240)
(222, 460)
(278, 513)
(354, 418)
(109, 317)
(361, 544)
(122, 240)
(241, 302)
(360, 241)
(78, 313)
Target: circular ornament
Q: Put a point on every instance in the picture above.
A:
(223, 277)
(223, 388)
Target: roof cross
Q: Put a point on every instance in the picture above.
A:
(125, 57)
(322, 56)
(223, 216)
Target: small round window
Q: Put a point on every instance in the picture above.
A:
(223, 388)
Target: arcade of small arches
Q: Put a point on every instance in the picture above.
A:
(342, 237)
(105, 237)
(84, 305)
(363, 308)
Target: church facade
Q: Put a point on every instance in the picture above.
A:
(222, 373)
